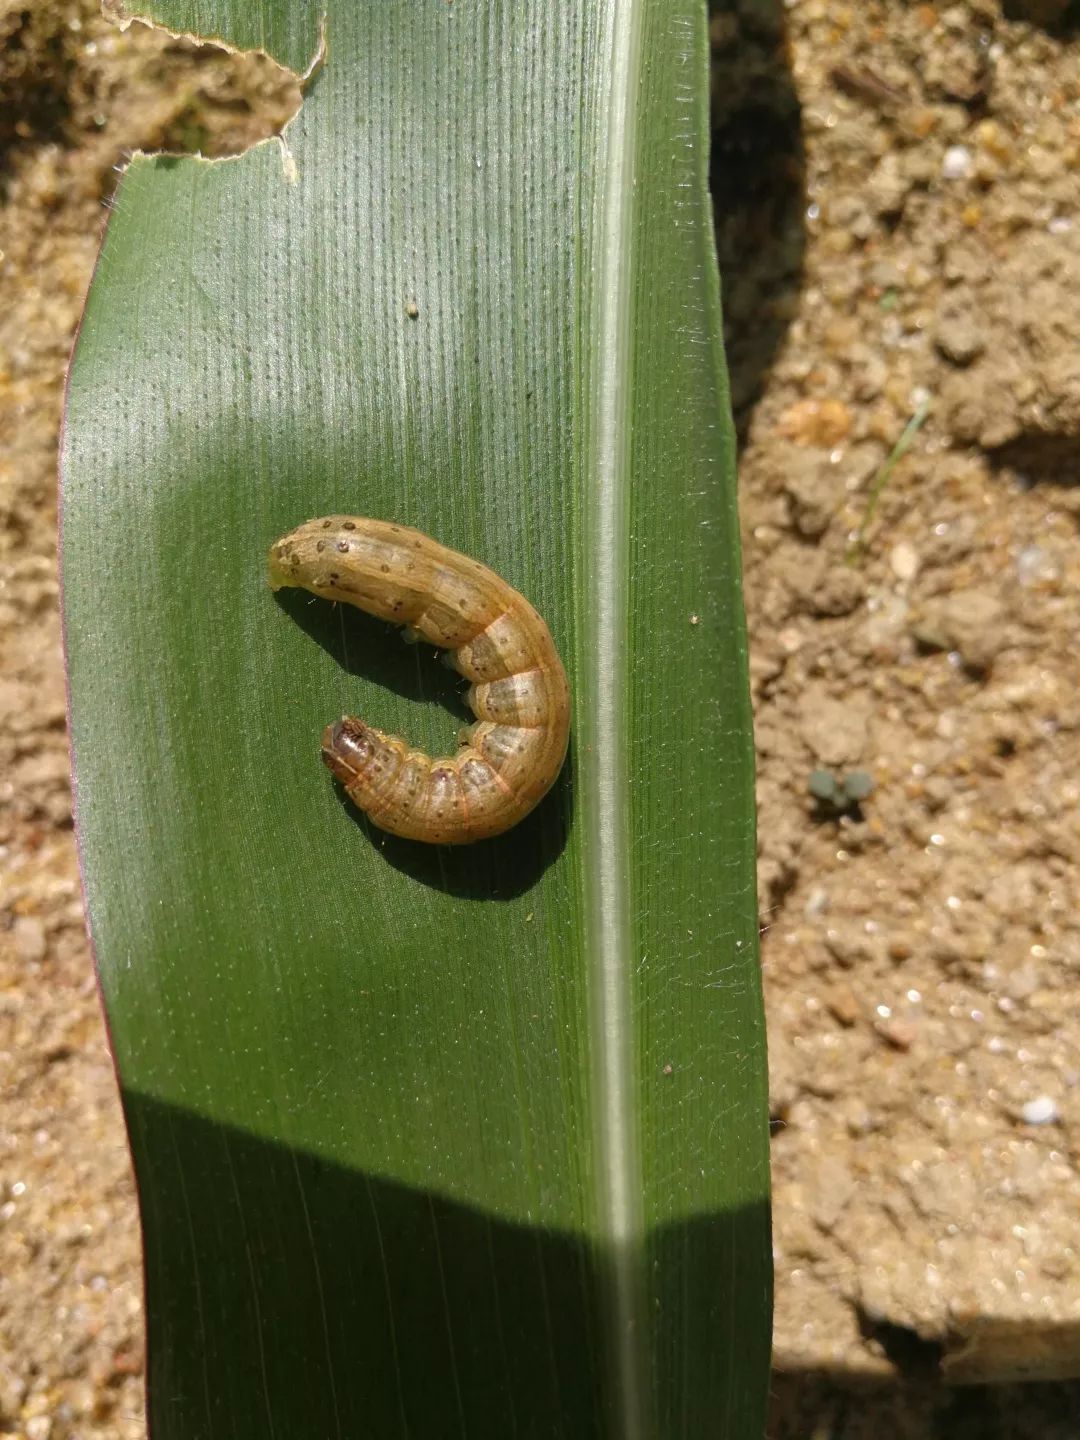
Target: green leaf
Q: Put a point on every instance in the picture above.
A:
(428, 1142)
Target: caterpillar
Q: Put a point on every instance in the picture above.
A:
(509, 760)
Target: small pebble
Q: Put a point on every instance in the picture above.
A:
(843, 1005)
(900, 1034)
(824, 423)
(1041, 1111)
(956, 163)
(904, 560)
(28, 934)
(813, 494)
(834, 591)
(1037, 566)
(968, 622)
(817, 902)
(959, 337)
(834, 730)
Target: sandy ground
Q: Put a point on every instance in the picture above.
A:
(898, 213)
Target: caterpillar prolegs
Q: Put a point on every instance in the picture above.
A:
(508, 760)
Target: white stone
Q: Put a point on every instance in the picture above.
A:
(1041, 1111)
(904, 560)
(956, 163)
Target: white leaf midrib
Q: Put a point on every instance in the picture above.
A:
(609, 922)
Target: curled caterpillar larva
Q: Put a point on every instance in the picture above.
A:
(508, 761)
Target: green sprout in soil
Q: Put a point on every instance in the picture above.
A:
(881, 479)
(842, 796)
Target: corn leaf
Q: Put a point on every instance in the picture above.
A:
(428, 1142)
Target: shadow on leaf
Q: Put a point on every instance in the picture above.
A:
(290, 1295)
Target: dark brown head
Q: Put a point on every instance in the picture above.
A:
(346, 748)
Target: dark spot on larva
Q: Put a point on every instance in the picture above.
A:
(463, 604)
(417, 544)
(343, 546)
(385, 569)
(348, 525)
(326, 524)
(395, 529)
(334, 577)
(397, 606)
(320, 546)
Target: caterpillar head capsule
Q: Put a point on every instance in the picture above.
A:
(347, 748)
